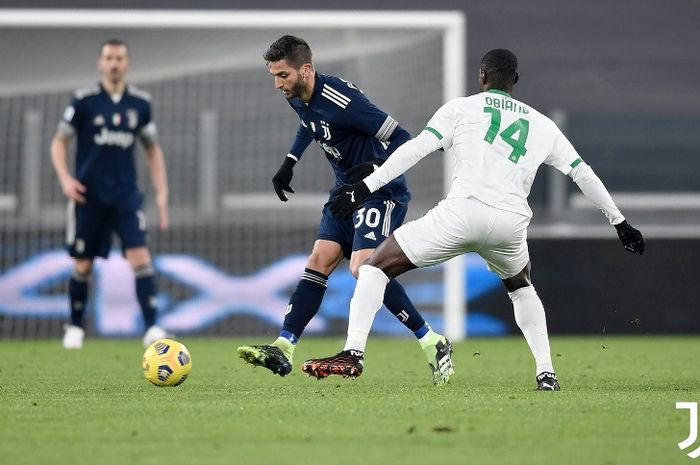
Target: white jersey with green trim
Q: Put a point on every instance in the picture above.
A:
(497, 143)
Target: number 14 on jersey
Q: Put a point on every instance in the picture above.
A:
(521, 127)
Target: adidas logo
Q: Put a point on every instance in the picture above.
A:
(370, 235)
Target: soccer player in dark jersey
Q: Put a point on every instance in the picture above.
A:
(356, 137)
(103, 195)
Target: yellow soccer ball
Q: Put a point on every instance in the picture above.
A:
(166, 362)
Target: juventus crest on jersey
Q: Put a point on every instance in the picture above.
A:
(348, 128)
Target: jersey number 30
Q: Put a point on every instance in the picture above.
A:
(371, 218)
(521, 126)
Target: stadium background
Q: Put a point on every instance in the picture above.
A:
(624, 76)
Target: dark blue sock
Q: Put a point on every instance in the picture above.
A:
(77, 297)
(400, 305)
(304, 303)
(422, 331)
(146, 293)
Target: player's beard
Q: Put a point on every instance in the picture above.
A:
(297, 89)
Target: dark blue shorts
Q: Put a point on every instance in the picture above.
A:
(90, 226)
(368, 227)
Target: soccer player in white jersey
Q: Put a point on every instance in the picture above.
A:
(498, 143)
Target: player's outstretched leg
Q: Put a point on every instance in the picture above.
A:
(276, 357)
(348, 363)
(547, 381)
(303, 305)
(438, 350)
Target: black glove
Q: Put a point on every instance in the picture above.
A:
(348, 199)
(283, 177)
(631, 238)
(359, 172)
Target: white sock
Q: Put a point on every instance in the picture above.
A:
(365, 303)
(529, 315)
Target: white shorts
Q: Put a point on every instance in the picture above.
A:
(457, 225)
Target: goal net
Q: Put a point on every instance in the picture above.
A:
(234, 252)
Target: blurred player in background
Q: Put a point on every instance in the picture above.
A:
(356, 137)
(103, 195)
(498, 144)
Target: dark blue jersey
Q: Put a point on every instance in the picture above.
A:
(106, 134)
(350, 130)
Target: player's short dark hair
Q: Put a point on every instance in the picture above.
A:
(501, 68)
(293, 49)
(115, 42)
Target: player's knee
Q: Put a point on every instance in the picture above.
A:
(355, 268)
(359, 258)
(322, 263)
(518, 281)
(138, 258)
(83, 268)
(390, 258)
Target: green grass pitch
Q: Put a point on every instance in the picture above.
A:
(93, 406)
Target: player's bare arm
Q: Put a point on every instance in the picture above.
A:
(159, 178)
(72, 188)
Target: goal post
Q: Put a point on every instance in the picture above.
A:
(385, 48)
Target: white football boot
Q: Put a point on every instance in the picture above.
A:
(73, 337)
(154, 333)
